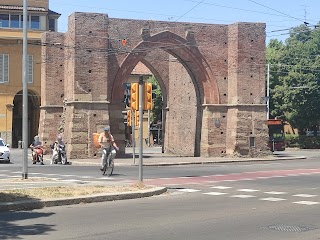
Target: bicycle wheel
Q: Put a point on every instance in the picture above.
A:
(109, 169)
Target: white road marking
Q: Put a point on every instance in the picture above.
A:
(248, 190)
(188, 190)
(306, 202)
(275, 193)
(221, 187)
(304, 195)
(243, 196)
(271, 199)
(215, 193)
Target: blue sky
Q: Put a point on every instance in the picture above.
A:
(278, 15)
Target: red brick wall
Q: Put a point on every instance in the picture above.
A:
(212, 93)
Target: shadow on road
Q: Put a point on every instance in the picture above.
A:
(11, 228)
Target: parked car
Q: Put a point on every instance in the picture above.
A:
(4, 151)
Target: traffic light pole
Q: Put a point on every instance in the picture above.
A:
(148, 128)
(140, 128)
(133, 140)
(25, 93)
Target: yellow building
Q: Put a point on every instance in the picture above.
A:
(40, 19)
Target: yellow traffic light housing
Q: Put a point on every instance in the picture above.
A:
(129, 118)
(136, 118)
(134, 96)
(147, 96)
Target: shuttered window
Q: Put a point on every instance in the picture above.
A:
(4, 68)
(30, 69)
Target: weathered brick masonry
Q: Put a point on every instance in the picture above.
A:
(212, 78)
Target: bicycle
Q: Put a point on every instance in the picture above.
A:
(108, 162)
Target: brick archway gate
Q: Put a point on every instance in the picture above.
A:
(212, 76)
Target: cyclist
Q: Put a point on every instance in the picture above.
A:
(106, 141)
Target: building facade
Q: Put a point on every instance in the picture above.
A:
(40, 19)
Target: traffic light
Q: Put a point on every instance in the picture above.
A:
(123, 41)
(136, 118)
(147, 96)
(134, 96)
(129, 118)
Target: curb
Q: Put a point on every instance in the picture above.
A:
(34, 204)
(191, 163)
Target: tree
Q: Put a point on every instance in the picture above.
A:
(157, 100)
(295, 78)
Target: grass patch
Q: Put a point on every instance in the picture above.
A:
(63, 191)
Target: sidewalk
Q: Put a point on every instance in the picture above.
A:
(154, 157)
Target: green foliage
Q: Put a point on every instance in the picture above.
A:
(295, 78)
(157, 101)
(303, 142)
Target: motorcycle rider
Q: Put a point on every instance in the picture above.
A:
(106, 140)
(35, 145)
(55, 154)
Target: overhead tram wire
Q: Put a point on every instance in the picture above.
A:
(284, 14)
(189, 10)
(172, 16)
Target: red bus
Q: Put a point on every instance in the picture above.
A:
(276, 134)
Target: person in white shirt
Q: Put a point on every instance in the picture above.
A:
(106, 141)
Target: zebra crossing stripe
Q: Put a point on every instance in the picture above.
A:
(243, 196)
(188, 190)
(305, 195)
(271, 199)
(306, 202)
(215, 193)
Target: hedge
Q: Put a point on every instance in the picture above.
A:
(303, 142)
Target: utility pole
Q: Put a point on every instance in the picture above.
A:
(133, 137)
(141, 101)
(268, 91)
(25, 92)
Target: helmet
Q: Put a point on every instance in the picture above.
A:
(59, 137)
(107, 128)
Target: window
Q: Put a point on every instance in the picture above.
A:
(35, 22)
(252, 141)
(52, 25)
(4, 68)
(15, 21)
(30, 69)
(4, 20)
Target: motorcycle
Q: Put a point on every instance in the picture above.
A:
(59, 154)
(37, 155)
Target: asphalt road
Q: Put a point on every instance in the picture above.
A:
(243, 201)
(131, 173)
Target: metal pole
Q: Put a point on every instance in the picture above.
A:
(133, 137)
(140, 128)
(148, 128)
(268, 91)
(25, 92)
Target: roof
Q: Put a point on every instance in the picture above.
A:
(53, 12)
(140, 68)
(20, 8)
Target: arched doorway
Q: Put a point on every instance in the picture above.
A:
(186, 83)
(33, 117)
